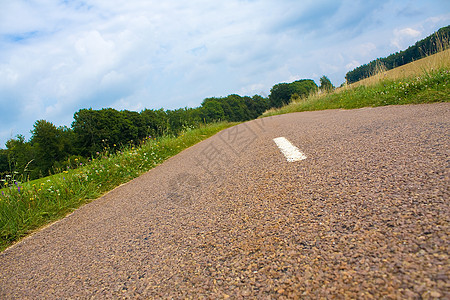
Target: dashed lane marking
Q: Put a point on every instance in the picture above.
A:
(291, 152)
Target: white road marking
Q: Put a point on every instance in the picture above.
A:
(291, 152)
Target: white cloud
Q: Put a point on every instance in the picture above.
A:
(367, 49)
(127, 104)
(404, 36)
(253, 89)
(8, 75)
(294, 78)
(351, 65)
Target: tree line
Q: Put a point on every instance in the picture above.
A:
(53, 149)
(432, 44)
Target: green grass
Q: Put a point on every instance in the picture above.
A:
(430, 87)
(25, 207)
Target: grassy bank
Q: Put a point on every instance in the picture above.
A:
(430, 86)
(24, 207)
(440, 60)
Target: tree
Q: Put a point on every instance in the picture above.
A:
(86, 135)
(135, 125)
(212, 111)
(20, 157)
(304, 87)
(260, 105)
(4, 166)
(97, 129)
(67, 139)
(182, 118)
(48, 145)
(325, 84)
(238, 111)
(281, 93)
(155, 122)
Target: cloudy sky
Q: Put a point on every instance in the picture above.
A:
(58, 56)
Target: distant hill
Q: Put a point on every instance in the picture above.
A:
(432, 44)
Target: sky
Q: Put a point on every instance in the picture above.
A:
(57, 57)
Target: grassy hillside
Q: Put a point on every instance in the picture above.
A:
(430, 45)
(424, 81)
(437, 61)
(25, 207)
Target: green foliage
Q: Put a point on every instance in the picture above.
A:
(233, 108)
(4, 165)
(182, 119)
(325, 84)
(281, 93)
(155, 122)
(97, 129)
(48, 144)
(432, 44)
(256, 105)
(20, 157)
(212, 110)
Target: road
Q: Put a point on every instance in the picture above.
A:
(365, 215)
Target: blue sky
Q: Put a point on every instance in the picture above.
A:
(57, 57)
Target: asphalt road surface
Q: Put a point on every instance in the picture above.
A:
(365, 215)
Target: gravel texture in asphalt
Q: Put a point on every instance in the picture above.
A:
(364, 216)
